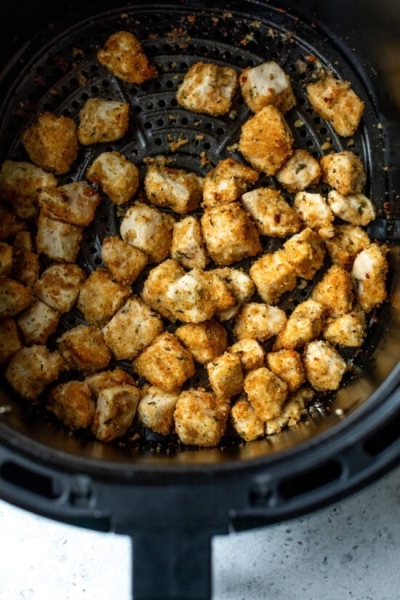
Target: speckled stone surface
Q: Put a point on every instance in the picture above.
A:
(348, 550)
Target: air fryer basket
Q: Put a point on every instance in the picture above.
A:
(155, 489)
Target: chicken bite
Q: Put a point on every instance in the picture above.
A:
(335, 291)
(272, 214)
(292, 412)
(230, 234)
(347, 242)
(187, 245)
(225, 375)
(347, 330)
(304, 324)
(200, 418)
(205, 341)
(14, 297)
(103, 380)
(344, 171)
(315, 212)
(177, 189)
(273, 276)
(32, 369)
(250, 352)
(287, 365)
(124, 262)
(208, 88)
(10, 339)
(100, 297)
(25, 267)
(323, 365)
(123, 55)
(305, 251)
(259, 321)
(266, 140)
(38, 322)
(356, 209)
(157, 284)
(369, 273)
(9, 224)
(335, 101)
(227, 182)
(267, 84)
(59, 286)
(73, 203)
(59, 241)
(83, 348)
(51, 142)
(6, 259)
(156, 409)
(115, 411)
(117, 176)
(245, 421)
(102, 121)
(301, 171)
(241, 287)
(72, 403)
(266, 393)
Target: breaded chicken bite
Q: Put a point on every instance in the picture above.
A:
(123, 55)
(51, 142)
(250, 352)
(200, 418)
(230, 233)
(165, 363)
(10, 339)
(305, 251)
(117, 176)
(205, 341)
(100, 297)
(146, 228)
(25, 267)
(6, 259)
(32, 369)
(267, 84)
(323, 365)
(287, 365)
(227, 182)
(266, 393)
(241, 287)
(72, 403)
(188, 244)
(273, 276)
(335, 101)
(347, 330)
(356, 209)
(157, 284)
(132, 329)
(59, 286)
(335, 291)
(266, 140)
(9, 224)
(344, 171)
(20, 183)
(245, 421)
(272, 214)
(14, 297)
(156, 409)
(177, 189)
(314, 211)
(303, 325)
(225, 375)
(83, 348)
(301, 171)
(124, 262)
(292, 412)
(38, 322)
(259, 322)
(59, 241)
(102, 121)
(73, 203)
(208, 88)
(347, 242)
(369, 273)
(104, 380)
(115, 410)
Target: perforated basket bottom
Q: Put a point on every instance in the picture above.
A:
(65, 73)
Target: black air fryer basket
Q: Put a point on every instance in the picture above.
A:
(170, 499)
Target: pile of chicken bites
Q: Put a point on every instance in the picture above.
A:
(184, 238)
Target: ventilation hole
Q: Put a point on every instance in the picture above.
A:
(208, 126)
(309, 143)
(134, 152)
(184, 66)
(167, 48)
(85, 96)
(160, 122)
(94, 68)
(323, 130)
(158, 141)
(149, 105)
(174, 102)
(220, 131)
(317, 120)
(148, 125)
(75, 104)
(161, 103)
(157, 85)
(134, 91)
(95, 89)
(97, 260)
(105, 83)
(170, 84)
(145, 87)
(184, 121)
(301, 101)
(303, 133)
(138, 109)
(312, 480)
(206, 146)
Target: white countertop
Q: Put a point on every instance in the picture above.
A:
(348, 550)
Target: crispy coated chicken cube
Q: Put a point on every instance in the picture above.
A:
(9, 224)
(272, 214)
(51, 142)
(292, 412)
(344, 171)
(107, 379)
(59, 286)
(156, 409)
(266, 392)
(146, 228)
(369, 272)
(347, 242)
(208, 88)
(347, 330)
(115, 410)
(259, 321)
(10, 340)
(26, 266)
(227, 182)
(301, 171)
(205, 341)
(250, 352)
(287, 365)
(335, 291)
(266, 140)
(73, 203)
(72, 403)
(245, 421)
(38, 322)
(83, 348)
(100, 297)
(323, 365)
(165, 363)
(241, 287)
(273, 275)
(14, 297)
(188, 244)
(177, 189)
(156, 286)
(132, 329)
(124, 261)
(314, 211)
(356, 209)
(267, 84)
(305, 252)
(123, 55)
(335, 101)
(225, 375)
(200, 417)
(59, 241)
(32, 369)
(230, 233)
(6, 259)
(102, 121)
(116, 175)
(304, 324)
